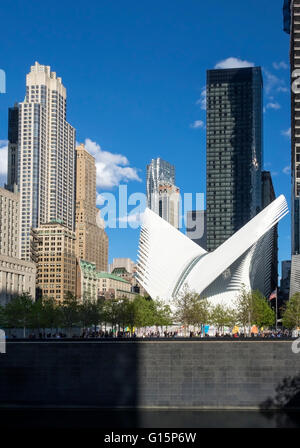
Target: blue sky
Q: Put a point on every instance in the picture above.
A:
(134, 73)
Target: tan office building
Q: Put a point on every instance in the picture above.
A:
(91, 238)
(9, 223)
(16, 276)
(53, 248)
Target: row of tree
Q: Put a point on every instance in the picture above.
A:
(22, 312)
(251, 308)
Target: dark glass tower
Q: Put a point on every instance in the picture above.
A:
(268, 196)
(12, 156)
(234, 150)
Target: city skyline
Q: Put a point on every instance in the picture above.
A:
(184, 130)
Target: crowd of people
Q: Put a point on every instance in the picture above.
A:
(100, 334)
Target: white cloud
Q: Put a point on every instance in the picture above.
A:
(112, 169)
(286, 170)
(100, 199)
(272, 82)
(286, 133)
(202, 99)
(274, 106)
(279, 65)
(3, 157)
(198, 124)
(282, 89)
(233, 63)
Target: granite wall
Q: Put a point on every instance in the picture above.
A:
(179, 374)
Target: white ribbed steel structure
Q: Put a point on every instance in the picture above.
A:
(168, 260)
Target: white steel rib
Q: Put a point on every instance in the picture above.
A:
(168, 259)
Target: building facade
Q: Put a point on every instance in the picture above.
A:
(12, 150)
(91, 238)
(292, 26)
(163, 197)
(9, 223)
(93, 284)
(169, 202)
(111, 286)
(234, 150)
(291, 17)
(285, 279)
(268, 196)
(196, 227)
(16, 277)
(126, 263)
(295, 275)
(53, 250)
(46, 155)
(86, 281)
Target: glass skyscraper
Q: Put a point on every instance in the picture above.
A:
(234, 150)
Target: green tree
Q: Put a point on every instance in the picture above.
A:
(191, 309)
(36, 315)
(2, 317)
(90, 312)
(183, 303)
(244, 308)
(51, 313)
(291, 314)
(18, 312)
(112, 313)
(253, 308)
(129, 314)
(162, 314)
(222, 316)
(263, 315)
(69, 311)
(142, 312)
(200, 311)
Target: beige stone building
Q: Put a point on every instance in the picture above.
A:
(126, 268)
(126, 263)
(91, 238)
(169, 201)
(16, 277)
(53, 248)
(9, 223)
(114, 287)
(93, 284)
(86, 281)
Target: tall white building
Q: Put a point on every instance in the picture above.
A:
(162, 195)
(46, 156)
